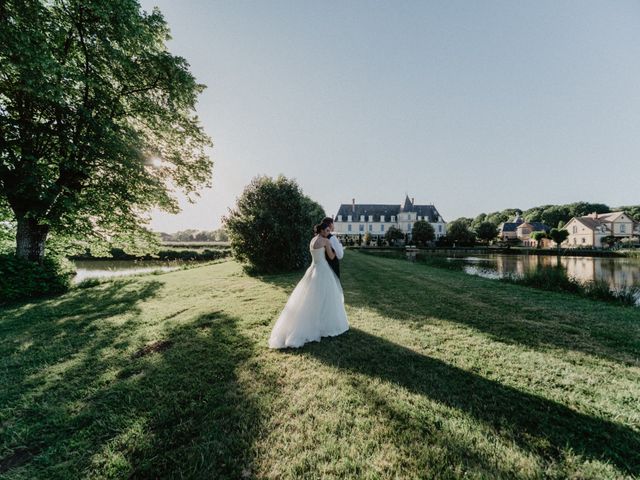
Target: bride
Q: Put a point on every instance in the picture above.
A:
(315, 309)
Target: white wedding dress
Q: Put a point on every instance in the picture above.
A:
(315, 309)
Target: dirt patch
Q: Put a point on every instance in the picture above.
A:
(158, 346)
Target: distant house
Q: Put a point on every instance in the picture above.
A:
(521, 230)
(594, 229)
(355, 219)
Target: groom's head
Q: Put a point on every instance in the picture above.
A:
(328, 221)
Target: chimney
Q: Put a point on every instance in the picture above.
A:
(353, 204)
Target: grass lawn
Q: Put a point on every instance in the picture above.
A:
(442, 375)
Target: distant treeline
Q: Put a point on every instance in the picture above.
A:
(551, 215)
(191, 235)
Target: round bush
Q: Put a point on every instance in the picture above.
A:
(272, 224)
(21, 279)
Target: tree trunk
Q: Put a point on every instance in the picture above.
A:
(30, 239)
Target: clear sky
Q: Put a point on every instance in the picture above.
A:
(474, 106)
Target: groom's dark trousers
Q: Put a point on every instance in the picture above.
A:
(335, 263)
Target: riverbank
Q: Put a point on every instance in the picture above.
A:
(565, 252)
(442, 374)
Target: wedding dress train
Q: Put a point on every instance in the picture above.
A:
(315, 309)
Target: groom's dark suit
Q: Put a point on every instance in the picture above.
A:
(335, 263)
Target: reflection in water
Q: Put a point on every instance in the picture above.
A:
(619, 273)
(115, 268)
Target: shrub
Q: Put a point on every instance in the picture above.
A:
(393, 234)
(22, 279)
(272, 224)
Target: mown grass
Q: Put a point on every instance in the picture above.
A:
(443, 375)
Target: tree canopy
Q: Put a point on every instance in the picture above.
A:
(486, 231)
(551, 215)
(423, 232)
(393, 234)
(558, 236)
(97, 122)
(459, 233)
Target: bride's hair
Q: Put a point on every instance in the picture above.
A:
(321, 226)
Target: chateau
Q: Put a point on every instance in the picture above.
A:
(357, 219)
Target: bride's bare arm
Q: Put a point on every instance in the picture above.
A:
(329, 250)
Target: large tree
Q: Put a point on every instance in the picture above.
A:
(97, 121)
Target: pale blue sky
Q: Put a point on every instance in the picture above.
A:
(474, 106)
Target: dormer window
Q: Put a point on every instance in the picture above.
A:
(393, 218)
(349, 218)
(362, 218)
(382, 218)
(371, 218)
(339, 218)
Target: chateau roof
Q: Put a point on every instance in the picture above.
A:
(535, 226)
(408, 205)
(428, 212)
(509, 226)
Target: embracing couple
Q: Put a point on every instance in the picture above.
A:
(315, 308)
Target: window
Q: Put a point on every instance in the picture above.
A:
(370, 228)
(575, 229)
(349, 228)
(339, 218)
(361, 228)
(382, 218)
(382, 227)
(393, 218)
(440, 228)
(408, 227)
(349, 219)
(583, 240)
(362, 218)
(371, 218)
(623, 228)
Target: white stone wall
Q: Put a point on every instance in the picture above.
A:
(405, 226)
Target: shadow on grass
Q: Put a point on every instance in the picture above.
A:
(535, 424)
(509, 313)
(46, 332)
(87, 399)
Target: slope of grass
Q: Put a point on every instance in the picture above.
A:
(443, 375)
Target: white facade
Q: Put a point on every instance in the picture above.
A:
(354, 219)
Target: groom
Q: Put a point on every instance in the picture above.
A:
(336, 246)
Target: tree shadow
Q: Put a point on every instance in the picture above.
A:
(48, 331)
(535, 424)
(509, 313)
(172, 408)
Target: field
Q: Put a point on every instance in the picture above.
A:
(442, 375)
